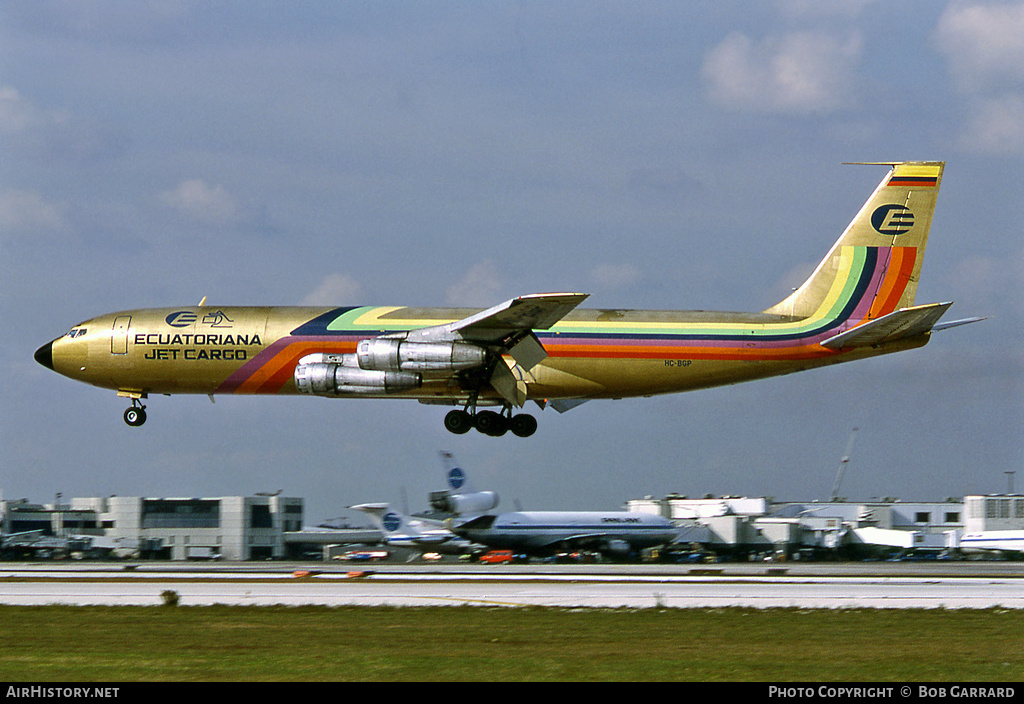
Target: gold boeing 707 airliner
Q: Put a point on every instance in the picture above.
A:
(858, 303)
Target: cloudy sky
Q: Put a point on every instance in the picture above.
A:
(654, 154)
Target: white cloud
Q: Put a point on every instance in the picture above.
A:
(28, 212)
(19, 114)
(196, 199)
(615, 276)
(480, 286)
(797, 73)
(984, 45)
(16, 113)
(996, 127)
(334, 290)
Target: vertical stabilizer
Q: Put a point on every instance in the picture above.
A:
(385, 518)
(876, 262)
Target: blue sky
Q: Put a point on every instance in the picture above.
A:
(655, 155)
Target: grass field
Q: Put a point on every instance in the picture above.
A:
(224, 643)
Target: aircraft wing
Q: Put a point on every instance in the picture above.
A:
(508, 326)
(536, 311)
(906, 322)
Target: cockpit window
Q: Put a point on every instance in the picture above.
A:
(76, 332)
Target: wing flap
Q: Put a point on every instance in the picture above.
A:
(528, 352)
(903, 323)
(507, 385)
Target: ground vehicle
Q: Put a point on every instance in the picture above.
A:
(497, 557)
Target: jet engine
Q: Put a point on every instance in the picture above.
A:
(462, 504)
(391, 354)
(338, 374)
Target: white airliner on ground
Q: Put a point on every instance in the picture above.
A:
(420, 534)
(1003, 541)
(611, 533)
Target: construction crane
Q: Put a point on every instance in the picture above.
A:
(834, 496)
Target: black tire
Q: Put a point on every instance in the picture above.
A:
(458, 422)
(135, 416)
(523, 425)
(491, 423)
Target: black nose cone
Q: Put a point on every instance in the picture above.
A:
(44, 355)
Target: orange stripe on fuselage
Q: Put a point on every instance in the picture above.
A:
(278, 370)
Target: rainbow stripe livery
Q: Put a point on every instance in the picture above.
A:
(858, 302)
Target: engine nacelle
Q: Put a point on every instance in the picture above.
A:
(338, 374)
(462, 504)
(390, 354)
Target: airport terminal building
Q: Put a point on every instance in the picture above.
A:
(265, 527)
(229, 528)
(852, 529)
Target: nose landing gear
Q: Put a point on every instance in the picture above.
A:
(136, 415)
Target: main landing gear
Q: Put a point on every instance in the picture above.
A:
(136, 415)
(491, 423)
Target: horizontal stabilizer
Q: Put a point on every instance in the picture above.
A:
(957, 323)
(903, 323)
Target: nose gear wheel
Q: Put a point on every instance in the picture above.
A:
(136, 415)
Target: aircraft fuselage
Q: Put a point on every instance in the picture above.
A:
(591, 353)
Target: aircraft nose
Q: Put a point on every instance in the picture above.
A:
(44, 355)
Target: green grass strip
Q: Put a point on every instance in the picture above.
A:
(233, 643)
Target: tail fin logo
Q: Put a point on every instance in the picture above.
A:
(391, 522)
(456, 478)
(892, 219)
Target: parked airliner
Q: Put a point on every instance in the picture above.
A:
(420, 534)
(611, 533)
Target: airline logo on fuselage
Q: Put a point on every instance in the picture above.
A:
(184, 318)
(181, 319)
(217, 320)
(892, 219)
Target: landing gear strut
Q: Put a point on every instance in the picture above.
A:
(487, 422)
(136, 415)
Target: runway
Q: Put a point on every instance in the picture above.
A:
(860, 585)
